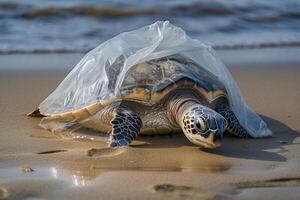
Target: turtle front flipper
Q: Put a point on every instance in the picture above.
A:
(233, 125)
(126, 125)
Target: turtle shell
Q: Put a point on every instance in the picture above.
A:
(150, 81)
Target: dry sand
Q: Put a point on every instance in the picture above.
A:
(36, 164)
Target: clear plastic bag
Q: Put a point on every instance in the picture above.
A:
(88, 82)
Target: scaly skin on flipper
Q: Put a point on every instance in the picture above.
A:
(233, 127)
(126, 125)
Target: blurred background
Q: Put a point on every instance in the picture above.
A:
(79, 25)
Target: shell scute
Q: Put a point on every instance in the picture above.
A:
(152, 80)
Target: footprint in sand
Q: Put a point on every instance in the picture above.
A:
(3, 193)
(105, 152)
(170, 188)
(183, 192)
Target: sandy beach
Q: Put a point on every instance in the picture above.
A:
(37, 164)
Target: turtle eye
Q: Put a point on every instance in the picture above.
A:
(200, 124)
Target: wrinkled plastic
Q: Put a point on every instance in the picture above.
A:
(88, 82)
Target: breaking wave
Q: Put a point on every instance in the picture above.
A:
(79, 25)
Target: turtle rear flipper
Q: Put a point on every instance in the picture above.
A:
(233, 125)
(126, 125)
(35, 113)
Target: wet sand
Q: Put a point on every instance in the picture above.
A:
(36, 164)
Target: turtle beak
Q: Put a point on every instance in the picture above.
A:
(214, 139)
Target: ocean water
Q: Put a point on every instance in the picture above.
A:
(79, 25)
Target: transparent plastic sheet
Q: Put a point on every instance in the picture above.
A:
(88, 82)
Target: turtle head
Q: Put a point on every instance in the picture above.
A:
(203, 126)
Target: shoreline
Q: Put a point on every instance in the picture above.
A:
(294, 44)
(231, 58)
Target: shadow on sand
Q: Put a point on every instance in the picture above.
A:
(267, 149)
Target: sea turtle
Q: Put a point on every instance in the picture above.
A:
(161, 96)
